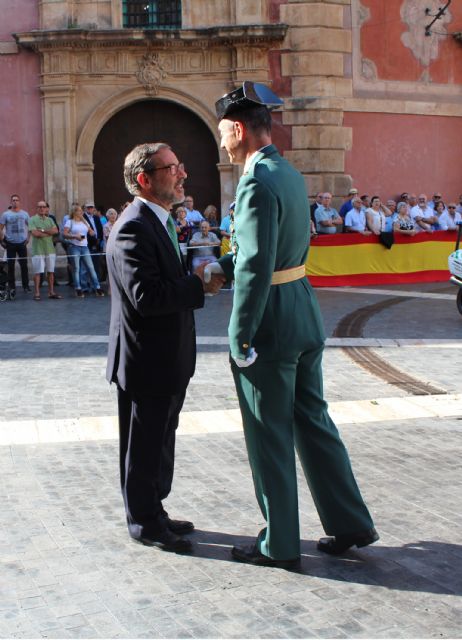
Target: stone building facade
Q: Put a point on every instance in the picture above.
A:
(370, 100)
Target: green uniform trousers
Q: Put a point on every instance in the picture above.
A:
(282, 410)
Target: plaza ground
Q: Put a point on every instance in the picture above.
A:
(69, 569)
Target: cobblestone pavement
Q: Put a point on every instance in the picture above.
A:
(70, 571)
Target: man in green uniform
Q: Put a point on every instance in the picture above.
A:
(276, 341)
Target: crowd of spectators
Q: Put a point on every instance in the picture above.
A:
(84, 231)
(82, 236)
(407, 215)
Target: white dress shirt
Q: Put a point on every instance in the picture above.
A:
(160, 212)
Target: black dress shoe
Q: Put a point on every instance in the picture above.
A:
(339, 544)
(179, 526)
(251, 555)
(167, 541)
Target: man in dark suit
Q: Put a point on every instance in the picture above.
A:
(152, 342)
(95, 241)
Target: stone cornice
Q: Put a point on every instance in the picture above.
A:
(246, 35)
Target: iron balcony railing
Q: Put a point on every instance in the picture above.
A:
(152, 14)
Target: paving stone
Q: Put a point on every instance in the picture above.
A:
(69, 569)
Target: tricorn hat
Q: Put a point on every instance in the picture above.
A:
(251, 94)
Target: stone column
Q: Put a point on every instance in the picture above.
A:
(84, 182)
(318, 63)
(229, 177)
(59, 145)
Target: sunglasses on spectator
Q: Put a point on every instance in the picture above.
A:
(449, 207)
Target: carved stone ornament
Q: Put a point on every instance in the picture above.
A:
(368, 69)
(424, 48)
(150, 72)
(364, 14)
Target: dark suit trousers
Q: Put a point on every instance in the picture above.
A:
(147, 426)
(19, 249)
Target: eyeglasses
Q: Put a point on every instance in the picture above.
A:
(449, 207)
(174, 168)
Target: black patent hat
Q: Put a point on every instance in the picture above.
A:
(251, 94)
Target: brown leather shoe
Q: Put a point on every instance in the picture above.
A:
(335, 545)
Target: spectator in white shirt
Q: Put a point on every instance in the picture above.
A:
(355, 219)
(459, 206)
(437, 197)
(450, 218)
(439, 209)
(365, 201)
(327, 218)
(412, 200)
(423, 215)
(192, 215)
(205, 241)
(376, 216)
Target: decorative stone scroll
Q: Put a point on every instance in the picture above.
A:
(151, 72)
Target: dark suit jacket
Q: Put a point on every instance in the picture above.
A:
(94, 242)
(152, 340)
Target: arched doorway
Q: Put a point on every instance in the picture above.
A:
(156, 121)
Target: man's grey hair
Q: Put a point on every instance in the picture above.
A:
(138, 160)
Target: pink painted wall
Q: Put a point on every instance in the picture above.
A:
(393, 153)
(381, 42)
(21, 162)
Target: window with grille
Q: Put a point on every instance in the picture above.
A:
(152, 14)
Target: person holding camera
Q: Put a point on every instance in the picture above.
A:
(76, 231)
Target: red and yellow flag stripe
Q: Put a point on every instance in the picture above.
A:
(353, 259)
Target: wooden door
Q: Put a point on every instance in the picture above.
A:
(156, 121)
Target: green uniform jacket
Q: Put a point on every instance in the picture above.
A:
(271, 233)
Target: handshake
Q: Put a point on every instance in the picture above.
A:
(212, 276)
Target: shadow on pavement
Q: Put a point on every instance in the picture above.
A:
(425, 566)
